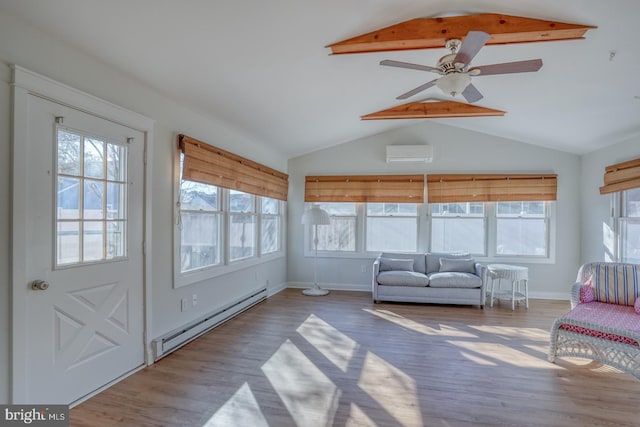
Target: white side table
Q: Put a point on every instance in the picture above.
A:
(517, 275)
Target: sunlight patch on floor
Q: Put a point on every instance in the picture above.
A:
(533, 334)
(308, 394)
(443, 330)
(543, 349)
(477, 359)
(357, 418)
(505, 354)
(394, 390)
(333, 344)
(240, 410)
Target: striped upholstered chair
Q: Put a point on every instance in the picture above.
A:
(604, 321)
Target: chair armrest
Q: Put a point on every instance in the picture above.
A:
(481, 272)
(575, 294)
(374, 278)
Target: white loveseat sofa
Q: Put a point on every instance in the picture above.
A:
(429, 278)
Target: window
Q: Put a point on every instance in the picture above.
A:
(521, 228)
(458, 227)
(242, 225)
(91, 194)
(270, 225)
(391, 227)
(630, 226)
(340, 235)
(200, 219)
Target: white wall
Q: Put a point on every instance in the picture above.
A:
(597, 224)
(27, 47)
(5, 226)
(455, 151)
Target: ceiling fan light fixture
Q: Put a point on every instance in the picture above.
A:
(453, 83)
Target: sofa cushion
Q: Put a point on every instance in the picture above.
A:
(453, 279)
(418, 259)
(402, 278)
(463, 265)
(433, 260)
(389, 264)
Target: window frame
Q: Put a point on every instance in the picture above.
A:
(621, 217)
(226, 266)
(415, 217)
(360, 227)
(490, 230)
(470, 216)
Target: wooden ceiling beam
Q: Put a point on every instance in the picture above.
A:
(426, 33)
(432, 110)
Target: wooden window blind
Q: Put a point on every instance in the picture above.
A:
(490, 188)
(621, 176)
(365, 188)
(211, 165)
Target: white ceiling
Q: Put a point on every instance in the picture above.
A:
(261, 65)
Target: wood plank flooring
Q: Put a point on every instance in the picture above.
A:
(341, 360)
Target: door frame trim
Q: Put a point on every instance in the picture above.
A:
(23, 84)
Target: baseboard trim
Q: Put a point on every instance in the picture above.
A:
(559, 296)
(276, 289)
(332, 286)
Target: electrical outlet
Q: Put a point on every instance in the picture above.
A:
(184, 304)
(194, 299)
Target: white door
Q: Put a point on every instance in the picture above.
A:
(84, 236)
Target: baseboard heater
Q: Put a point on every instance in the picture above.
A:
(181, 336)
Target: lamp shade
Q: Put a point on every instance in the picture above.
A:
(315, 216)
(453, 83)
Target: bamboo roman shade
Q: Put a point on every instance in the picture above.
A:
(491, 188)
(621, 176)
(365, 188)
(211, 165)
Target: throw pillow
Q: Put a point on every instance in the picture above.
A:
(461, 265)
(636, 306)
(586, 293)
(396, 264)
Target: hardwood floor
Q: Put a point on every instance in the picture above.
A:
(340, 360)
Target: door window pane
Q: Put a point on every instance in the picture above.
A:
(116, 239)
(93, 241)
(93, 195)
(116, 162)
(91, 208)
(68, 198)
(94, 158)
(68, 242)
(68, 157)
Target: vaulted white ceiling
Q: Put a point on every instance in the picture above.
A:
(261, 65)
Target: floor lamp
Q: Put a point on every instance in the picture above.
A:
(315, 216)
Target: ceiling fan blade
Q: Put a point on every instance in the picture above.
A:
(418, 89)
(471, 45)
(471, 93)
(399, 64)
(507, 68)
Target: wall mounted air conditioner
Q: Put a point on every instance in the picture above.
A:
(409, 153)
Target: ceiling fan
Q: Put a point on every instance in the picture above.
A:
(455, 71)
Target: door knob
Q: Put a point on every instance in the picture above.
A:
(39, 285)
